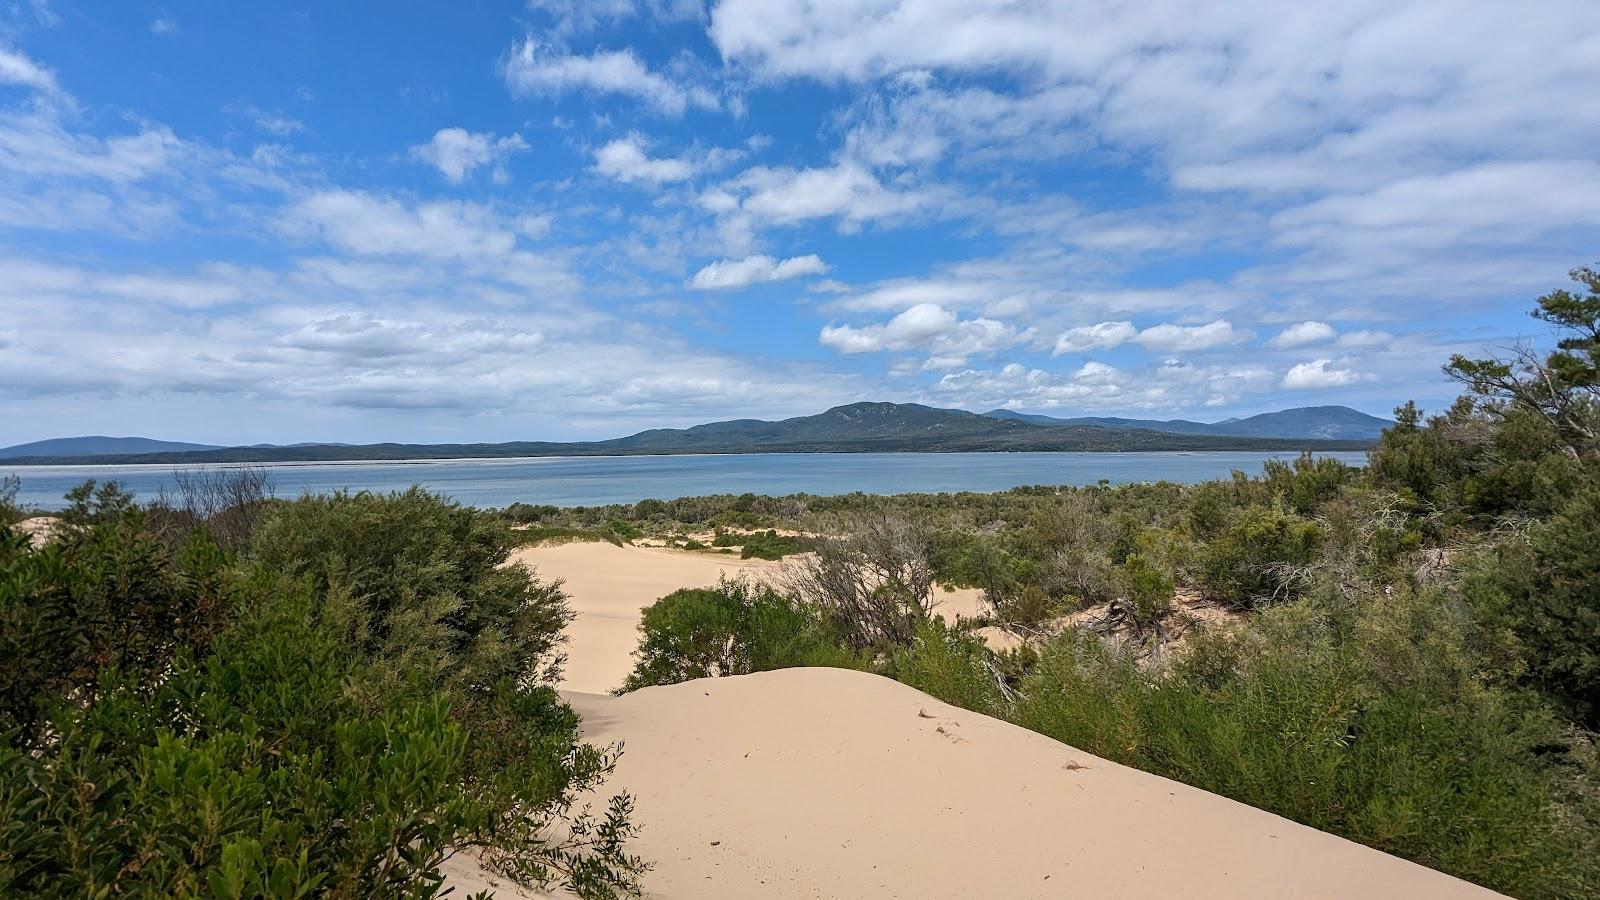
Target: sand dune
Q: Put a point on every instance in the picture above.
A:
(830, 783)
(609, 585)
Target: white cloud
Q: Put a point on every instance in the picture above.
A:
(846, 190)
(948, 339)
(624, 159)
(1095, 337)
(1102, 388)
(1165, 337)
(535, 69)
(1303, 333)
(1180, 338)
(364, 223)
(163, 25)
(738, 273)
(1318, 374)
(457, 152)
(18, 69)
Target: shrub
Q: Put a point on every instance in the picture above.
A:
(875, 582)
(420, 582)
(950, 665)
(284, 730)
(1262, 556)
(102, 595)
(1544, 590)
(10, 512)
(1373, 727)
(735, 628)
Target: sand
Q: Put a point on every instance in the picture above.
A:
(809, 783)
(610, 585)
(830, 783)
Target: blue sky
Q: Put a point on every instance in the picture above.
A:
(485, 220)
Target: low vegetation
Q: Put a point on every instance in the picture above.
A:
(328, 697)
(1418, 664)
(356, 693)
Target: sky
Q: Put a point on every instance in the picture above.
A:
(488, 221)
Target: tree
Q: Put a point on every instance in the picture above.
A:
(1563, 387)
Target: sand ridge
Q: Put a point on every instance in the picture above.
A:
(808, 783)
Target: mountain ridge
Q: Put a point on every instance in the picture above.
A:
(865, 427)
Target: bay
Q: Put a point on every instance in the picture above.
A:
(595, 480)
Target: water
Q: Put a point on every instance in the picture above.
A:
(595, 480)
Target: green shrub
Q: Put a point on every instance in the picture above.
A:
(1262, 556)
(420, 583)
(735, 628)
(1375, 728)
(1544, 590)
(950, 665)
(103, 595)
(290, 736)
(771, 545)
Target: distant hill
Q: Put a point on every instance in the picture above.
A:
(1335, 423)
(98, 445)
(855, 428)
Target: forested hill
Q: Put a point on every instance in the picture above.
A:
(856, 428)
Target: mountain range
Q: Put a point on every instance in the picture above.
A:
(857, 427)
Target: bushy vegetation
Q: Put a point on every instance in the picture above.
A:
(1418, 668)
(10, 512)
(329, 696)
(735, 628)
(332, 711)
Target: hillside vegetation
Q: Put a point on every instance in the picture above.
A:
(221, 694)
(1416, 667)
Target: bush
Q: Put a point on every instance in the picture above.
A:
(735, 628)
(1375, 728)
(10, 512)
(1544, 590)
(102, 595)
(302, 743)
(875, 582)
(1262, 556)
(419, 582)
(950, 665)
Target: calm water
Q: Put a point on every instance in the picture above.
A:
(590, 481)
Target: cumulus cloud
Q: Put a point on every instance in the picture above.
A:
(738, 273)
(1099, 387)
(1181, 338)
(948, 339)
(457, 152)
(1303, 333)
(625, 159)
(534, 69)
(1165, 337)
(1095, 337)
(846, 191)
(1318, 374)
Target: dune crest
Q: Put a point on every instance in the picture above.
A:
(610, 586)
(834, 783)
